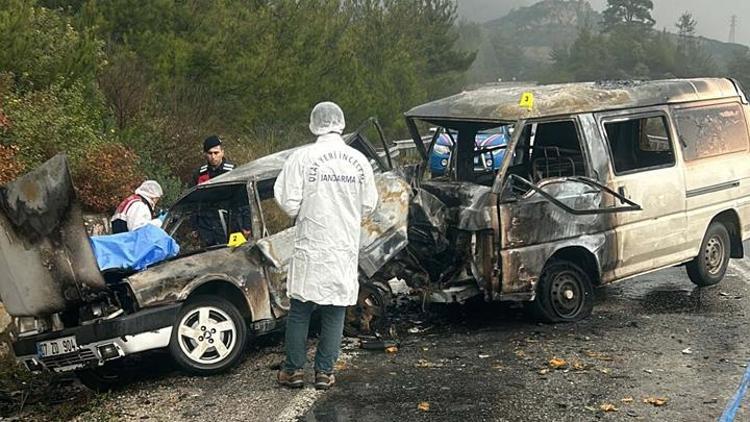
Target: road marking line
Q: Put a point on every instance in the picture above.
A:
(305, 400)
(731, 410)
(299, 405)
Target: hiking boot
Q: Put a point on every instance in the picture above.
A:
(294, 379)
(324, 381)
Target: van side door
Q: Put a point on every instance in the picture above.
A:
(644, 167)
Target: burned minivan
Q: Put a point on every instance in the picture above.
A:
(202, 305)
(599, 182)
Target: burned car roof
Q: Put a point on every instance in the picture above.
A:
(502, 103)
(262, 168)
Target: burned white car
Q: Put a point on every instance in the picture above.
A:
(203, 305)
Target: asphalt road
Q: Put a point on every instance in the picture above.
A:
(655, 338)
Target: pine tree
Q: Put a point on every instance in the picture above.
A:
(635, 13)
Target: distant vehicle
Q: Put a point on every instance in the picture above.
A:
(489, 145)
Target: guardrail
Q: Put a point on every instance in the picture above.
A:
(405, 150)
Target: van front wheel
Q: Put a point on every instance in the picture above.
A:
(564, 293)
(709, 267)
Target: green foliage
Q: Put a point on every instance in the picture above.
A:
(631, 13)
(629, 49)
(40, 47)
(157, 76)
(57, 119)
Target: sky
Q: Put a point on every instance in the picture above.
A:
(713, 16)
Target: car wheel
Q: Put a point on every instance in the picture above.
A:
(102, 378)
(370, 314)
(209, 335)
(709, 267)
(564, 293)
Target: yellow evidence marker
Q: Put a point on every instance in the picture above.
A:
(236, 239)
(527, 101)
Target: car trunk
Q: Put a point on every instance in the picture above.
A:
(46, 261)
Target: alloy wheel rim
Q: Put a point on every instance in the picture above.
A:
(207, 335)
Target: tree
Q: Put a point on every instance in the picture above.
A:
(636, 13)
(739, 67)
(691, 59)
(589, 58)
(686, 26)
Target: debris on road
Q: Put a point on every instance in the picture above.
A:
(687, 351)
(578, 365)
(627, 399)
(375, 343)
(424, 363)
(424, 406)
(558, 363)
(597, 355)
(656, 401)
(608, 407)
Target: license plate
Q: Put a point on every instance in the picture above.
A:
(59, 346)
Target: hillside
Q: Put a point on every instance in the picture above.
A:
(520, 44)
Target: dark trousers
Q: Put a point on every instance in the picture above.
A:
(329, 344)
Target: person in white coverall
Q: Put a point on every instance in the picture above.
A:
(137, 210)
(328, 187)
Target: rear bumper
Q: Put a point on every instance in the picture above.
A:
(103, 340)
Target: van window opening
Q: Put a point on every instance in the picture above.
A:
(547, 150)
(639, 144)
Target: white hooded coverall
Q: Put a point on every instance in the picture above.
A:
(134, 212)
(329, 187)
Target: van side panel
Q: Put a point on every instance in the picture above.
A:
(718, 181)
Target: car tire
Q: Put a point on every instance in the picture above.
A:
(209, 336)
(564, 293)
(103, 379)
(709, 267)
(370, 314)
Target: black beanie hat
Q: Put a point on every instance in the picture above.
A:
(210, 142)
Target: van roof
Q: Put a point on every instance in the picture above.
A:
(499, 102)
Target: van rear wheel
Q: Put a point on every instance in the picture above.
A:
(709, 267)
(564, 293)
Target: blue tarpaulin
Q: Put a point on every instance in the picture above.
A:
(136, 250)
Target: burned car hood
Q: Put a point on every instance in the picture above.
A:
(46, 262)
